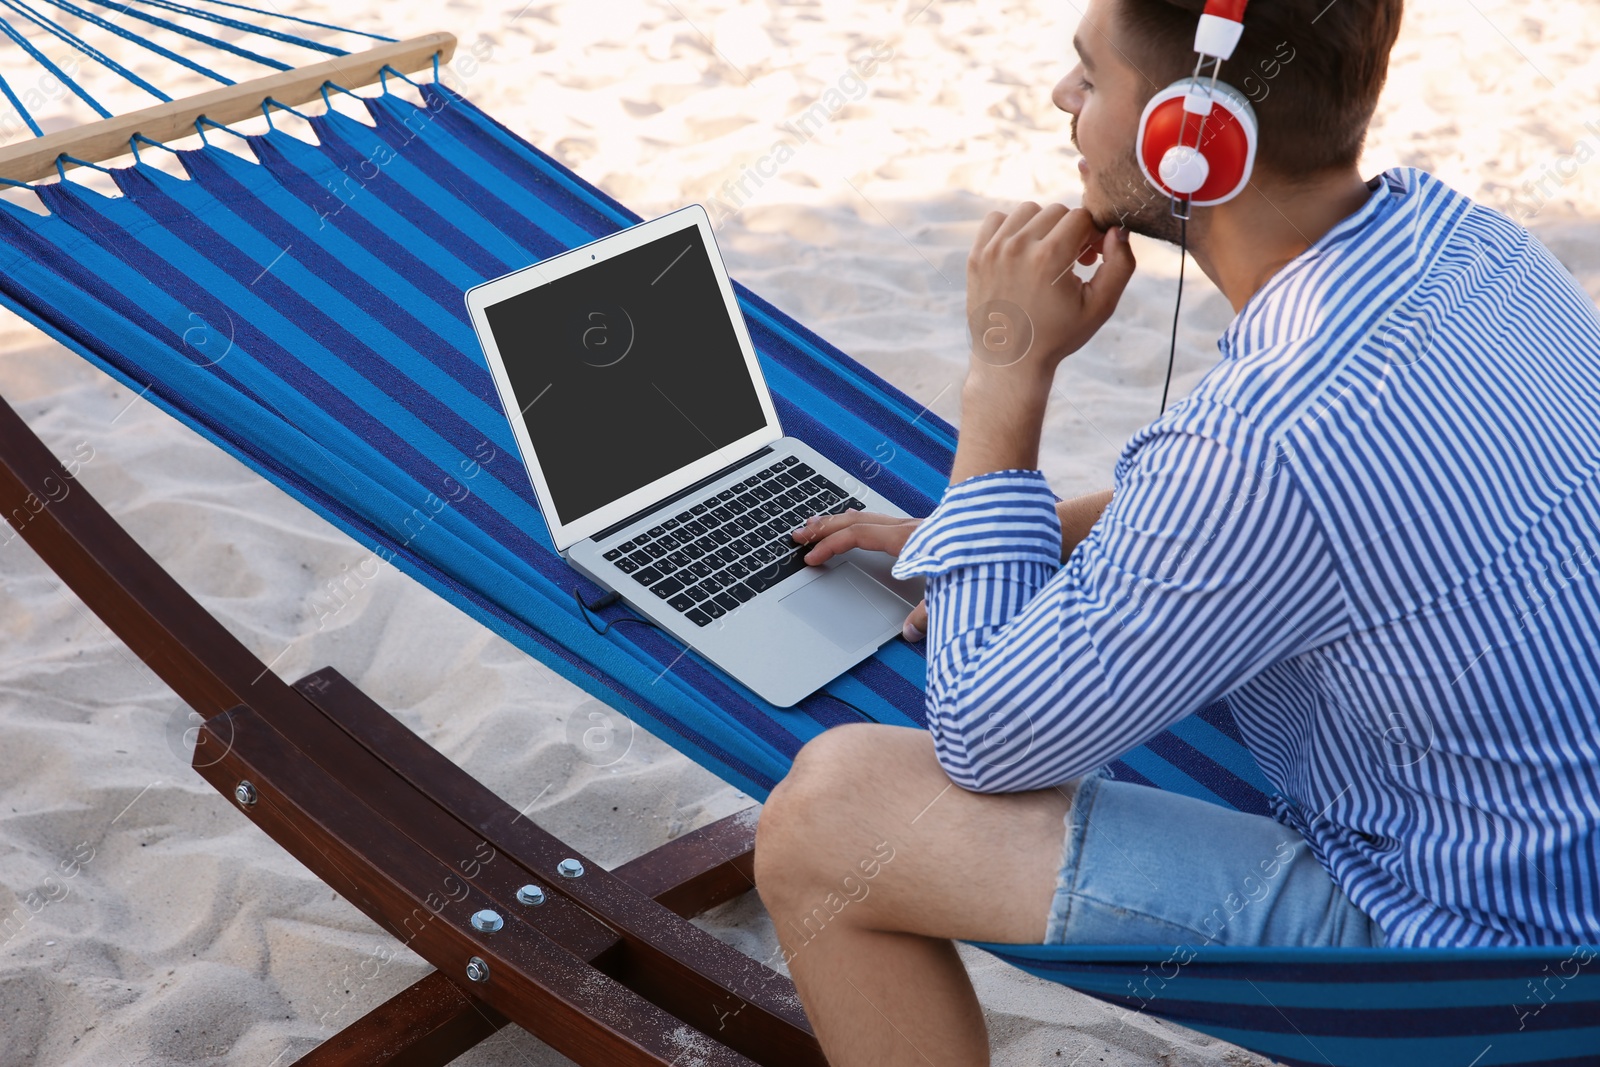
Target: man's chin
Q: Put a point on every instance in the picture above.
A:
(1105, 218)
(1161, 227)
(1102, 215)
(1136, 205)
(1149, 216)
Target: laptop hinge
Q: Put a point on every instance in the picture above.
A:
(679, 495)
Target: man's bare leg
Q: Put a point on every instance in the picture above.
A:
(870, 861)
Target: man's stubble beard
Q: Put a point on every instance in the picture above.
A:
(1122, 197)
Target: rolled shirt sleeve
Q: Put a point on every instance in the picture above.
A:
(1207, 566)
(985, 551)
(999, 517)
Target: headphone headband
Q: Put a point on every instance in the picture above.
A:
(1232, 10)
(1219, 29)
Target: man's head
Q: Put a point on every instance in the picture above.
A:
(1312, 70)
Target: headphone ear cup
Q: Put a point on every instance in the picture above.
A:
(1228, 148)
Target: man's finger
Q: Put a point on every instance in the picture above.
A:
(1072, 233)
(1092, 250)
(1102, 291)
(986, 229)
(1042, 223)
(871, 535)
(915, 628)
(818, 526)
(1017, 220)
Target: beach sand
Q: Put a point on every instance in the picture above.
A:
(168, 929)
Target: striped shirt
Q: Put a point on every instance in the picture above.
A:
(1374, 529)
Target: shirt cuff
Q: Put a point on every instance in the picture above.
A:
(998, 517)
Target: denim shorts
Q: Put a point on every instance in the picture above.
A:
(1143, 866)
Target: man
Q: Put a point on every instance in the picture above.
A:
(1373, 527)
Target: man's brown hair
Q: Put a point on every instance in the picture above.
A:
(1312, 69)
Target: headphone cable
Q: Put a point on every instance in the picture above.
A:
(606, 601)
(1172, 352)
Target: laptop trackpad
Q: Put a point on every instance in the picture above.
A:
(847, 606)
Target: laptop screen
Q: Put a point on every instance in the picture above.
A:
(625, 371)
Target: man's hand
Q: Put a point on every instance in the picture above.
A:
(1028, 312)
(829, 535)
(1023, 300)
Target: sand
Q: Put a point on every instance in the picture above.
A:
(159, 927)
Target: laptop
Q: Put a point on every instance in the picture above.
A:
(627, 373)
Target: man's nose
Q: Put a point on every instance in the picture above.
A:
(1065, 96)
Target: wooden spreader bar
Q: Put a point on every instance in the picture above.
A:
(95, 142)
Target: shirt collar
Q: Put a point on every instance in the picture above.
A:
(1386, 187)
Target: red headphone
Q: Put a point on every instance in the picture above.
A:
(1197, 137)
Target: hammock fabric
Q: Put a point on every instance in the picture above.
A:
(305, 313)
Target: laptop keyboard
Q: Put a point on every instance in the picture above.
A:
(715, 555)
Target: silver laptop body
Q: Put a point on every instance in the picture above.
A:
(635, 396)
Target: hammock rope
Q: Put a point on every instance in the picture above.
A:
(50, 66)
(59, 31)
(280, 16)
(269, 103)
(139, 138)
(16, 102)
(63, 159)
(233, 24)
(195, 35)
(202, 122)
(145, 42)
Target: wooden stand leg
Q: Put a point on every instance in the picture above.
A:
(431, 1022)
(606, 971)
(427, 1024)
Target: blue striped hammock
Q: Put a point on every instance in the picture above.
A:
(305, 313)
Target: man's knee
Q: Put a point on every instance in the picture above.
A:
(840, 767)
(823, 797)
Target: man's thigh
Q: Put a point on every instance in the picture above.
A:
(868, 824)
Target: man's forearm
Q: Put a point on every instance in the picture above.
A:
(1002, 416)
(1078, 516)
